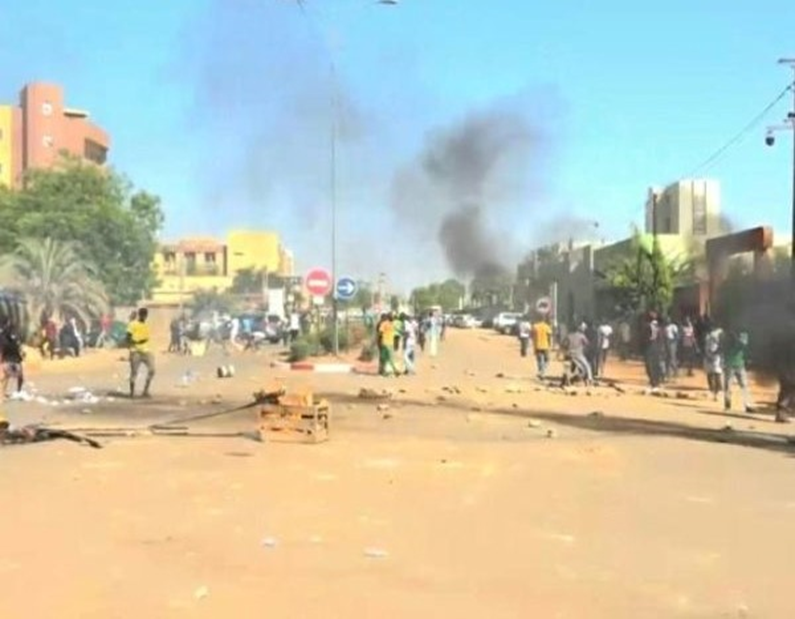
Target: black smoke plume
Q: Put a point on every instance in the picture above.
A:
(469, 185)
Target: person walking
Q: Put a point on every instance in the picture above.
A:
(397, 338)
(735, 370)
(386, 332)
(689, 345)
(671, 349)
(524, 336)
(604, 343)
(138, 335)
(576, 346)
(174, 343)
(542, 342)
(654, 354)
(434, 333)
(409, 344)
(11, 356)
(713, 360)
(624, 339)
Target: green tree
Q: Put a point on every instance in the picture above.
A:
(448, 294)
(644, 279)
(248, 281)
(54, 280)
(363, 299)
(493, 286)
(112, 226)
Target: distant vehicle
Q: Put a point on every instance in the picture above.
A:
(504, 321)
(465, 321)
(274, 328)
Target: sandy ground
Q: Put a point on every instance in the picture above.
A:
(454, 502)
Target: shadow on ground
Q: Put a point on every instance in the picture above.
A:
(600, 422)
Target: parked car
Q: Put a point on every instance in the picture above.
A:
(504, 322)
(465, 321)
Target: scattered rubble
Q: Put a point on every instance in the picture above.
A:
(375, 394)
(534, 423)
(382, 407)
(551, 433)
(375, 553)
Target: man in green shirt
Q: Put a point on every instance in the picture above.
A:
(734, 361)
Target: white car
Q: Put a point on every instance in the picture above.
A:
(466, 321)
(504, 321)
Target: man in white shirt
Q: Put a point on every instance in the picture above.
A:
(604, 341)
(672, 349)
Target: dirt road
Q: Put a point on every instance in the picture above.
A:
(471, 496)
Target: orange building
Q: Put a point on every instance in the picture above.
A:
(35, 132)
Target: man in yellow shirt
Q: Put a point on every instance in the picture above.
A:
(542, 342)
(140, 352)
(386, 340)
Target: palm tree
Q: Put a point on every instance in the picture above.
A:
(54, 280)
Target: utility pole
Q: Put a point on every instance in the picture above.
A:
(334, 129)
(770, 140)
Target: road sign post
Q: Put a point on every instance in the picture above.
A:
(318, 282)
(346, 288)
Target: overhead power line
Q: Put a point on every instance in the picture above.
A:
(712, 159)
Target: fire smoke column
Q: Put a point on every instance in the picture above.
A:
(467, 182)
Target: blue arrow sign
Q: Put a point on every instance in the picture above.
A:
(346, 288)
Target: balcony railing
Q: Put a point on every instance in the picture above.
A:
(192, 270)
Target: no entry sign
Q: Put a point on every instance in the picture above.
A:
(318, 282)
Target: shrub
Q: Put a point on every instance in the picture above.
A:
(300, 349)
(327, 340)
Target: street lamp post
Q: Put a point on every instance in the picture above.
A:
(333, 165)
(788, 125)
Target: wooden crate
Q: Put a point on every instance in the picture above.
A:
(294, 418)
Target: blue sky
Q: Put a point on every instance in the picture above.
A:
(222, 106)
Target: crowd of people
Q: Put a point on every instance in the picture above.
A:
(667, 348)
(397, 333)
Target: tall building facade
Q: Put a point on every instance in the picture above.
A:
(690, 208)
(186, 266)
(35, 132)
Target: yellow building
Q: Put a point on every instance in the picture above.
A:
(189, 265)
(6, 145)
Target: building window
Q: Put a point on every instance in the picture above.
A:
(47, 141)
(95, 152)
(46, 108)
(209, 257)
